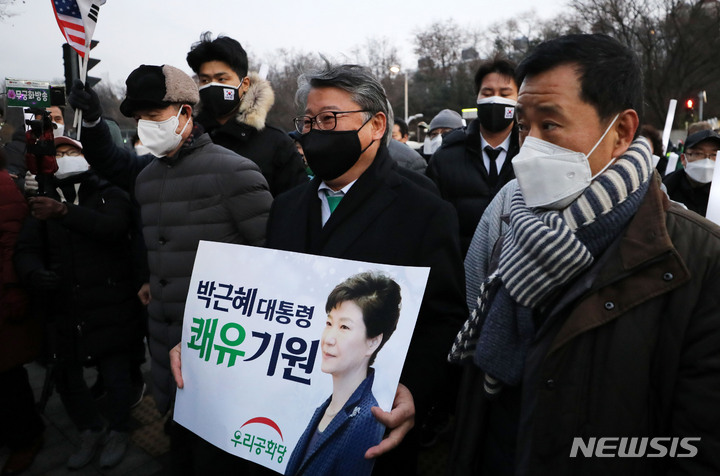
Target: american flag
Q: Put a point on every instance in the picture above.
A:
(77, 20)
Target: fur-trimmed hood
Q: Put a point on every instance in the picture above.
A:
(256, 103)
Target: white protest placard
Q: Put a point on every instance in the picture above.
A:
(672, 163)
(668, 126)
(655, 160)
(713, 208)
(256, 339)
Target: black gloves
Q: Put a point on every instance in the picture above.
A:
(84, 98)
(44, 280)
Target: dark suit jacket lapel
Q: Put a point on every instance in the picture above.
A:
(305, 220)
(506, 171)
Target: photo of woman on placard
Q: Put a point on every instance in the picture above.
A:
(362, 313)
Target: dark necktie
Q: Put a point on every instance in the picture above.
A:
(493, 173)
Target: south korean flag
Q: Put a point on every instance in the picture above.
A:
(229, 94)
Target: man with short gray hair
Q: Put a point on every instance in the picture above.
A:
(361, 205)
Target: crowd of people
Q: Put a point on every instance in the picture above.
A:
(569, 317)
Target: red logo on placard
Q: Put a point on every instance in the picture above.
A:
(264, 421)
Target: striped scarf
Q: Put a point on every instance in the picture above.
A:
(542, 251)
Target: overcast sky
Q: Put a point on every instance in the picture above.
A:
(133, 32)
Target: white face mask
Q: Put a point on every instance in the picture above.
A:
(160, 137)
(69, 166)
(58, 130)
(431, 145)
(701, 171)
(142, 150)
(551, 176)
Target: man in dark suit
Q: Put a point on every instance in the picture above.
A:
(361, 206)
(474, 163)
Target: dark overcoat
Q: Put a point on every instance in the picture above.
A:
(388, 218)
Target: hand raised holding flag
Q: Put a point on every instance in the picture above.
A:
(83, 98)
(77, 20)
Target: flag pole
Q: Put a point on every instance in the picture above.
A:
(77, 123)
(83, 77)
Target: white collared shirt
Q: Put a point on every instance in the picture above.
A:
(501, 156)
(325, 207)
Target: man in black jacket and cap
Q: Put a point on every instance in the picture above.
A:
(691, 184)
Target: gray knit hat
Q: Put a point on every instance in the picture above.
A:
(158, 86)
(446, 118)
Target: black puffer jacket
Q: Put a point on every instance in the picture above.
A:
(458, 170)
(204, 192)
(95, 309)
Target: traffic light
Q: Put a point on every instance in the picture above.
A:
(72, 66)
(70, 58)
(689, 111)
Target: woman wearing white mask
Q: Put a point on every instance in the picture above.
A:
(691, 185)
(74, 253)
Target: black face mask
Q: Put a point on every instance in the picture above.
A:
(496, 114)
(219, 100)
(332, 153)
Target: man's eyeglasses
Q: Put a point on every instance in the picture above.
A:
(325, 121)
(700, 155)
(68, 153)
